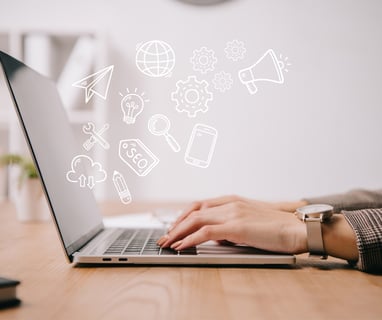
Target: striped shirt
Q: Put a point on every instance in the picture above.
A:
(363, 211)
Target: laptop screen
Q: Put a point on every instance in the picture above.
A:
(53, 146)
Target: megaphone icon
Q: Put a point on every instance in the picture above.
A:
(268, 68)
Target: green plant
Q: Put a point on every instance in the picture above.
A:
(28, 169)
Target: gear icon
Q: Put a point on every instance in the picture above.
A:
(222, 81)
(235, 50)
(203, 60)
(192, 96)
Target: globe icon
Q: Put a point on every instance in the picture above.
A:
(155, 58)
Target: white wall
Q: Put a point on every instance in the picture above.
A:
(320, 132)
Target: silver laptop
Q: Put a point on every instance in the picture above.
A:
(74, 210)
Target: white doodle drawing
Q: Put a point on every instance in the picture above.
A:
(137, 156)
(222, 81)
(132, 104)
(121, 187)
(192, 96)
(201, 146)
(203, 60)
(155, 58)
(159, 125)
(96, 84)
(86, 172)
(95, 136)
(235, 50)
(268, 68)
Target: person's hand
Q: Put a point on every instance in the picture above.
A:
(216, 202)
(237, 220)
(264, 225)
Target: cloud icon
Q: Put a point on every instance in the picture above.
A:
(81, 168)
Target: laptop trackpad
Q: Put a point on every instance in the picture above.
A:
(211, 247)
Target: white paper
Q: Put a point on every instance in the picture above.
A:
(157, 219)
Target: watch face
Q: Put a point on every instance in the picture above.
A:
(322, 211)
(315, 208)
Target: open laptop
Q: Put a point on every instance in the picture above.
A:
(74, 210)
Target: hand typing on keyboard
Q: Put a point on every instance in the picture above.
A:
(263, 225)
(142, 242)
(238, 220)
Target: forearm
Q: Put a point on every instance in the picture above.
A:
(352, 200)
(367, 227)
(338, 236)
(356, 234)
(339, 239)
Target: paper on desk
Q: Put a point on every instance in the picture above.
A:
(141, 220)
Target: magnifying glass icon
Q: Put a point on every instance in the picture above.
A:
(159, 125)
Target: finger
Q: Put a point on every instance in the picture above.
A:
(162, 240)
(189, 209)
(209, 232)
(194, 221)
(209, 203)
(166, 240)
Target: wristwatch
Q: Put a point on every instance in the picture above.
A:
(314, 215)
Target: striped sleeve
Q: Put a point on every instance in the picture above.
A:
(367, 226)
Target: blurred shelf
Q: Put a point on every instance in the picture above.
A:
(51, 52)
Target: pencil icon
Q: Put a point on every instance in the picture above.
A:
(121, 186)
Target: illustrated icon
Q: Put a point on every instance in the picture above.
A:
(192, 96)
(121, 187)
(159, 125)
(201, 146)
(132, 105)
(95, 136)
(222, 81)
(155, 58)
(235, 50)
(86, 172)
(96, 84)
(268, 68)
(137, 156)
(203, 60)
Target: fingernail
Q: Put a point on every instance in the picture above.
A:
(176, 244)
(162, 239)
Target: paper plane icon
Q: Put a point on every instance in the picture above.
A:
(97, 83)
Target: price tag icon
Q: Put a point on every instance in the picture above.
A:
(137, 156)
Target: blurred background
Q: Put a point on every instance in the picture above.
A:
(318, 132)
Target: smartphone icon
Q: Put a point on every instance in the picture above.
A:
(201, 146)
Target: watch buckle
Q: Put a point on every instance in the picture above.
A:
(317, 256)
(307, 217)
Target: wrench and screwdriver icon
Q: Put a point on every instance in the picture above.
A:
(95, 136)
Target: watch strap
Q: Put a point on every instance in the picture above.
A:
(315, 241)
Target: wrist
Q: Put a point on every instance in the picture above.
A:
(301, 241)
(294, 237)
(339, 238)
(314, 216)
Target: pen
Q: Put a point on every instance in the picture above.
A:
(121, 186)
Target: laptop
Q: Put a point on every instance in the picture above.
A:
(83, 235)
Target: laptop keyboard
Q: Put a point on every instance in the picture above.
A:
(143, 242)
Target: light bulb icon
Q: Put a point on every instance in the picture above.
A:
(132, 104)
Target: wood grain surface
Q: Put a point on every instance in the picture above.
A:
(51, 288)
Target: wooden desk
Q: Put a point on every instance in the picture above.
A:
(53, 289)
